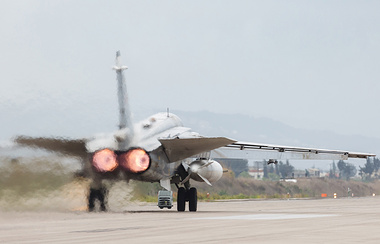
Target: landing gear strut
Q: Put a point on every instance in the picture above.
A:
(101, 195)
(186, 193)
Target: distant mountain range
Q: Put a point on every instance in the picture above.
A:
(264, 130)
(239, 127)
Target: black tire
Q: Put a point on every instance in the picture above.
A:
(181, 201)
(91, 200)
(101, 195)
(193, 199)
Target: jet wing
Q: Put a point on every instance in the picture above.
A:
(180, 148)
(63, 146)
(296, 152)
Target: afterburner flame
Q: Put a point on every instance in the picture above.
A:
(104, 160)
(135, 160)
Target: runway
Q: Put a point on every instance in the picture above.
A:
(346, 220)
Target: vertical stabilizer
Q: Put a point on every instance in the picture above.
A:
(125, 121)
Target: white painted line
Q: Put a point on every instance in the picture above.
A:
(269, 216)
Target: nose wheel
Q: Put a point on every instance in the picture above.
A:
(184, 196)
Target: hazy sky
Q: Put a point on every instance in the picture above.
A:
(309, 64)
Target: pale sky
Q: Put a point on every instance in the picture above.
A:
(309, 64)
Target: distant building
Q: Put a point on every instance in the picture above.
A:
(256, 173)
(312, 172)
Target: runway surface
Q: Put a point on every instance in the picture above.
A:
(346, 220)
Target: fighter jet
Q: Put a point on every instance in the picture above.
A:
(160, 149)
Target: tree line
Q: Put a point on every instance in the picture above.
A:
(345, 170)
(278, 170)
(370, 169)
(340, 170)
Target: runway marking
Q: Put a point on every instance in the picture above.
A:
(104, 230)
(269, 216)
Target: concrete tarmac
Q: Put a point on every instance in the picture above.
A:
(345, 220)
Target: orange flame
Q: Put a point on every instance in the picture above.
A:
(104, 160)
(135, 160)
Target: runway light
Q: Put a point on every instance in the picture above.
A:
(373, 194)
(335, 195)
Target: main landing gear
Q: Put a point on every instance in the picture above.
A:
(184, 196)
(185, 192)
(98, 191)
(100, 195)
